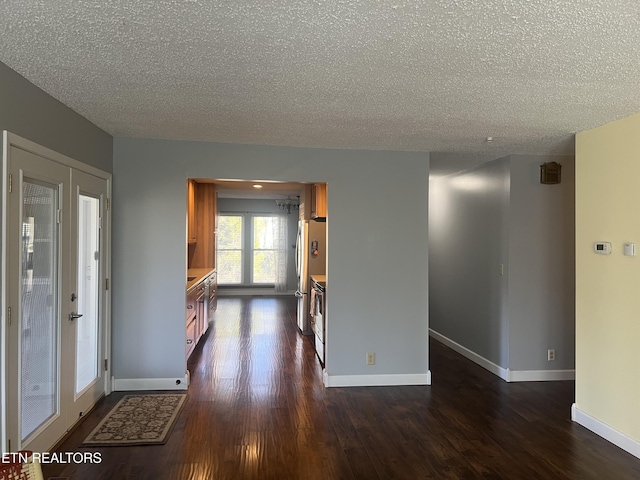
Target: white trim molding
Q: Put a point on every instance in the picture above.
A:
(607, 432)
(473, 356)
(540, 375)
(504, 373)
(383, 380)
(135, 384)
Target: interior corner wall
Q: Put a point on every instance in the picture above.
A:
(377, 269)
(607, 300)
(468, 240)
(31, 113)
(541, 266)
(499, 213)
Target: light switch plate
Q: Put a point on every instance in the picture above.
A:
(630, 249)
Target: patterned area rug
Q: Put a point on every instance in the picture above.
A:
(138, 420)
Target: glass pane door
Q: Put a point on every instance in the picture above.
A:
(40, 330)
(88, 328)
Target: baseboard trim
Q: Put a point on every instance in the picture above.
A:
(134, 384)
(376, 380)
(607, 432)
(540, 375)
(504, 373)
(471, 355)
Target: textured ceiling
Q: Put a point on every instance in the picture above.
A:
(431, 75)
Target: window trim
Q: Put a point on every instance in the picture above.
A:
(247, 249)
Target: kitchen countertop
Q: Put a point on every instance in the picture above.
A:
(321, 279)
(200, 274)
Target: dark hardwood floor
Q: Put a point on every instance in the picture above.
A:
(257, 409)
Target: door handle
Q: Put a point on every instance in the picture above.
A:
(74, 315)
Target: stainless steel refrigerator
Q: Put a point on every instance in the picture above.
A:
(311, 259)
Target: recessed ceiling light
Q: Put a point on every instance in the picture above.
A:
(256, 185)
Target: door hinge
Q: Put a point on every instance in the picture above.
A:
(8, 445)
(106, 284)
(10, 183)
(108, 203)
(9, 316)
(106, 364)
(59, 216)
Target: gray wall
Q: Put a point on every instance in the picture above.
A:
(377, 248)
(500, 213)
(244, 205)
(468, 239)
(28, 111)
(542, 266)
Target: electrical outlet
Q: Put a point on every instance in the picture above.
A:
(371, 358)
(551, 354)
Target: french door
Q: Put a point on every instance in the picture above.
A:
(56, 297)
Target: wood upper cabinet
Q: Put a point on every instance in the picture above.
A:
(191, 212)
(206, 206)
(319, 200)
(202, 250)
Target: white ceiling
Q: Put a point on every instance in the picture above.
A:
(431, 75)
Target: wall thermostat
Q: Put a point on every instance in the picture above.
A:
(603, 248)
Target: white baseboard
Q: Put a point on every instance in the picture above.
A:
(540, 375)
(135, 384)
(376, 380)
(504, 373)
(607, 432)
(471, 355)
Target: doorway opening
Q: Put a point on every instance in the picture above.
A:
(249, 234)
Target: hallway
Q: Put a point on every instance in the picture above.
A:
(257, 409)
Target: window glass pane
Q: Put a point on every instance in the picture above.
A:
(87, 327)
(263, 231)
(39, 312)
(229, 252)
(230, 232)
(229, 266)
(264, 266)
(264, 255)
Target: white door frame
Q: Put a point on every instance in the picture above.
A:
(12, 140)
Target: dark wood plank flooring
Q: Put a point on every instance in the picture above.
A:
(257, 409)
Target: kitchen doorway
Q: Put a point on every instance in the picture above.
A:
(250, 216)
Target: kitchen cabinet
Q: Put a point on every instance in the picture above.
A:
(202, 252)
(319, 201)
(202, 224)
(201, 313)
(191, 212)
(191, 319)
(201, 302)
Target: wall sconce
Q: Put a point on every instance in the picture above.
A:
(288, 204)
(550, 173)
